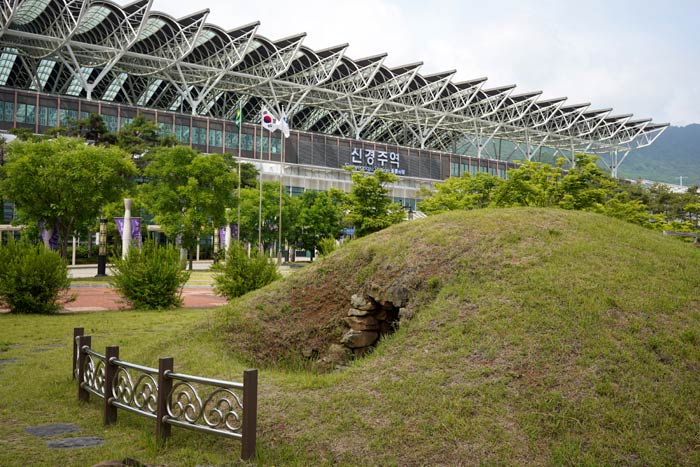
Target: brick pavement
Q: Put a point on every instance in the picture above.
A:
(101, 298)
(90, 298)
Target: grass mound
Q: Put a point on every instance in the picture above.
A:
(540, 337)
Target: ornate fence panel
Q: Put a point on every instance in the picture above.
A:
(214, 406)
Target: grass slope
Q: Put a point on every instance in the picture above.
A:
(542, 337)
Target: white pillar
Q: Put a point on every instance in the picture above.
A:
(47, 238)
(183, 255)
(74, 248)
(197, 249)
(126, 234)
(227, 238)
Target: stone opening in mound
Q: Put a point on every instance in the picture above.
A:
(369, 319)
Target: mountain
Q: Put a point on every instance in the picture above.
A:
(674, 154)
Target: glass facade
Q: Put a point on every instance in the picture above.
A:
(312, 161)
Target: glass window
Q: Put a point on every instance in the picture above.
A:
(454, 169)
(247, 142)
(164, 128)
(215, 138)
(232, 141)
(7, 111)
(7, 61)
(199, 136)
(276, 145)
(110, 122)
(182, 133)
(26, 113)
(262, 144)
(48, 116)
(67, 115)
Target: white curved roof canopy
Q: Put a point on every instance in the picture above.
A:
(101, 50)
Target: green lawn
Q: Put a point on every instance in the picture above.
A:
(39, 388)
(564, 339)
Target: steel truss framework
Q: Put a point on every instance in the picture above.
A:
(100, 50)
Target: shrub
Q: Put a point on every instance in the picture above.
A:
(32, 278)
(151, 277)
(327, 246)
(239, 274)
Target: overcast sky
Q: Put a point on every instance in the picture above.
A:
(638, 57)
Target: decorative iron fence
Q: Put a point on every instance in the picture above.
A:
(213, 406)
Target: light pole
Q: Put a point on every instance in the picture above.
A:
(102, 254)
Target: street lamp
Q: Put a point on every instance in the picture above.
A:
(102, 255)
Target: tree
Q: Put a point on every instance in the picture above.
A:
(241, 274)
(319, 217)
(531, 184)
(250, 209)
(141, 135)
(92, 128)
(585, 186)
(187, 192)
(465, 192)
(24, 134)
(63, 182)
(371, 208)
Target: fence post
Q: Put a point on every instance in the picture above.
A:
(76, 332)
(110, 411)
(250, 413)
(83, 395)
(165, 385)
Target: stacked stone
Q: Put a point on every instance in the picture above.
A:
(368, 321)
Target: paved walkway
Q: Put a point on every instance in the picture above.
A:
(92, 297)
(102, 297)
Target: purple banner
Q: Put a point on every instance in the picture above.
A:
(53, 241)
(222, 235)
(135, 229)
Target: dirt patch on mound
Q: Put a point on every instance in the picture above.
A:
(301, 317)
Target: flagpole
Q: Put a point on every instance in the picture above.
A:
(240, 132)
(260, 201)
(279, 240)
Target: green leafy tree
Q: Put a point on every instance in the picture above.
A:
(63, 182)
(150, 277)
(622, 207)
(531, 184)
(585, 186)
(465, 192)
(327, 245)
(370, 207)
(240, 274)
(92, 128)
(32, 278)
(141, 135)
(250, 209)
(319, 217)
(249, 174)
(24, 134)
(187, 192)
(693, 210)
